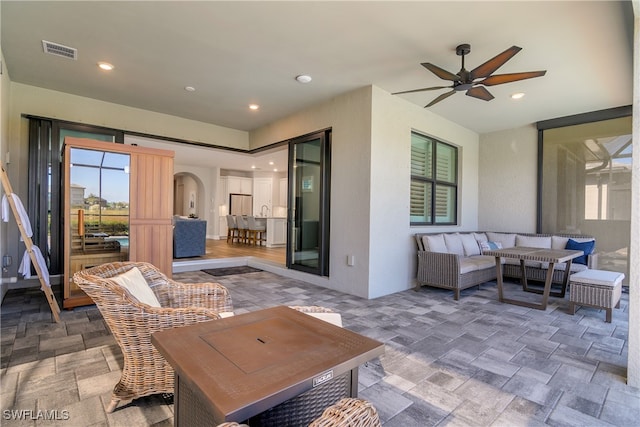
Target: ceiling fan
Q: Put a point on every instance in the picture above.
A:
(474, 81)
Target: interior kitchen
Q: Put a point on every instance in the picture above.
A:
(230, 183)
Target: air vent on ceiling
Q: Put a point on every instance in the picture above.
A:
(59, 50)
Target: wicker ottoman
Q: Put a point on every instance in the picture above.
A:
(595, 288)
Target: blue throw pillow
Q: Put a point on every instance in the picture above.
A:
(586, 247)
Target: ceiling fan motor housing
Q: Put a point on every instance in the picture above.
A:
(463, 49)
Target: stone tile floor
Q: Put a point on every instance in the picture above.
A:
(473, 362)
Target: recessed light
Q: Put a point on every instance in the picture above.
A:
(190, 88)
(517, 95)
(253, 106)
(253, 166)
(105, 66)
(275, 170)
(303, 78)
(270, 163)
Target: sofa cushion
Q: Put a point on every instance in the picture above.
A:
(470, 245)
(559, 242)
(586, 247)
(434, 243)
(480, 237)
(454, 243)
(467, 265)
(575, 267)
(489, 246)
(508, 240)
(483, 261)
(533, 241)
(534, 264)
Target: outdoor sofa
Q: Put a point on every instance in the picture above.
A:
(455, 260)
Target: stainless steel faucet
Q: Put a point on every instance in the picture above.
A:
(262, 210)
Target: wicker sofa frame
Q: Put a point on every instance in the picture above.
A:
(442, 270)
(145, 371)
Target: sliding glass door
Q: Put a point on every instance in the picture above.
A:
(585, 171)
(308, 214)
(45, 198)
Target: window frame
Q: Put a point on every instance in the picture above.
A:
(433, 182)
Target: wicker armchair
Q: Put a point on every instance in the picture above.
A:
(348, 412)
(145, 371)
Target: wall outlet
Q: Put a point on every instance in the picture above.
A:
(351, 260)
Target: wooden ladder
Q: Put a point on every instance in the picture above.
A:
(46, 288)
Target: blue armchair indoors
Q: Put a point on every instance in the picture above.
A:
(189, 237)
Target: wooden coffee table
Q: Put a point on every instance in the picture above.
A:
(277, 366)
(552, 256)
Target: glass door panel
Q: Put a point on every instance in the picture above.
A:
(308, 233)
(586, 186)
(98, 213)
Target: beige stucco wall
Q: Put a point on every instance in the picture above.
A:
(59, 105)
(349, 116)
(508, 181)
(392, 248)
(370, 176)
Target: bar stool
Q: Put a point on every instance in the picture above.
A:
(255, 233)
(243, 228)
(232, 229)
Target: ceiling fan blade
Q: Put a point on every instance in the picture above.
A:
(421, 90)
(440, 98)
(480, 92)
(443, 74)
(494, 63)
(499, 79)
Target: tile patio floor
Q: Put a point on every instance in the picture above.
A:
(475, 362)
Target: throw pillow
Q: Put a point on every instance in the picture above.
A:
(543, 242)
(470, 244)
(586, 247)
(134, 282)
(434, 243)
(490, 246)
(454, 244)
(508, 240)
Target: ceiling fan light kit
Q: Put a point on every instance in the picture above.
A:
(473, 82)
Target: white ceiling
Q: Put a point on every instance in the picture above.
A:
(237, 53)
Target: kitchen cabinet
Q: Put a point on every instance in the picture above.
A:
(262, 196)
(276, 232)
(239, 185)
(282, 196)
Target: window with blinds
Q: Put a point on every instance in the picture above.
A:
(434, 181)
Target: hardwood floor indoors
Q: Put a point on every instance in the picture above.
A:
(216, 249)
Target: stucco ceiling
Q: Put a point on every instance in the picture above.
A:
(237, 53)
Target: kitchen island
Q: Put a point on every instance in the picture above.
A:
(276, 230)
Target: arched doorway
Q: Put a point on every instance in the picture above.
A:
(188, 193)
